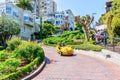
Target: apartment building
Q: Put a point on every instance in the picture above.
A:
(108, 5)
(47, 7)
(70, 18)
(25, 18)
(59, 18)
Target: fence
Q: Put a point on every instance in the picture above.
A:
(115, 46)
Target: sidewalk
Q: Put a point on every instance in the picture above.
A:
(104, 54)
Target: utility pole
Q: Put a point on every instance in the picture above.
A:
(40, 27)
(93, 20)
(2, 30)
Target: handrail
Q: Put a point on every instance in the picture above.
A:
(113, 44)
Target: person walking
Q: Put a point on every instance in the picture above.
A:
(105, 38)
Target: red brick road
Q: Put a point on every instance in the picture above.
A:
(78, 67)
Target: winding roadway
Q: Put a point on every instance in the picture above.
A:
(77, 67)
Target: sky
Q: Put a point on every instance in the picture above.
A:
(83, 7)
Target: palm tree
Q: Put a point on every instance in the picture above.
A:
(25, 4)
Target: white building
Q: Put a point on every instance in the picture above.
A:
(25, 18)
(47, 7)
(70, 18)
(59, 18)
(48, 12)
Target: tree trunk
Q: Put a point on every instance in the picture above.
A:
(87, 35)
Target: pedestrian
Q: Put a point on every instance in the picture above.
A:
(105, 38)
(61, 44)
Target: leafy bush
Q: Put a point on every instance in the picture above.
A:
(25, 50)
(1, 48)
(74, 43)
(25, 70)
(77, 36)
(3, 55)
(67, 33)
(13, 43)
(71, 36)
(28, 51)
(82, 36)
(11, 64)
(88, 46)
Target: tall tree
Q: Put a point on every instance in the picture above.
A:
(116, 18)
(47, 29)
(86, 21)
(79, 27)
(8, 28)
(109, 18)
(25, 4)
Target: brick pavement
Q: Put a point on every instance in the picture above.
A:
(78, 67)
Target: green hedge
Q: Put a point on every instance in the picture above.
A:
(1, 48)
(67, 33)
(24, 71)
(87, 46)
(13, 43)
(3, 55)
(66, 37)
(20, 50)
(28, 51)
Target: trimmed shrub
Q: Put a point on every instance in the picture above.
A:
(3, 55)
(1, 48)
(25, 70)
(87, 46)
(11, 65)
(28, 51)
(67, 33)
(82, 36)
(13, 43)
(71, 36)
(77, 36)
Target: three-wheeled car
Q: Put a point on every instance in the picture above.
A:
(62, 49)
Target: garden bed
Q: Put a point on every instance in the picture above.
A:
(20, 58)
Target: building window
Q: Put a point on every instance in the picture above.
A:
(67, 12)
(57, 22)
(30, 19)
(26, 18)
(8, 10)
(61, 16)
(61, 22)
(15, 14)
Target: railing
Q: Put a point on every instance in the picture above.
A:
(115, 43)
(111, 43)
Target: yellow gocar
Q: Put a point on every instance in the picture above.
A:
(64, 50)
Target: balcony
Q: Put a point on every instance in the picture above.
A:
(28, 18)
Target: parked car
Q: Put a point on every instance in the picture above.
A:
(64, 50)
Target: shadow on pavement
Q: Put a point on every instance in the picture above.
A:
(70, 55)
(48, 61)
